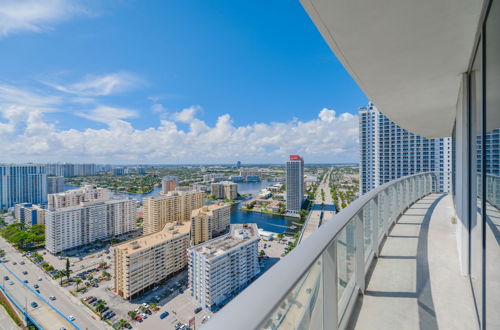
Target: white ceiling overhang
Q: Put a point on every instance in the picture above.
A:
(406, 55)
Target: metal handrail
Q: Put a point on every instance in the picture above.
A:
(252, 307)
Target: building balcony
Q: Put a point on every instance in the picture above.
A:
(387, 261)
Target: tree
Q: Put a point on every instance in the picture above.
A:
(103, 264)
(262, 253)
(280, 236)
(78, 281)
(67, 268)
(122, 323)
(132, 314)
(100, 306)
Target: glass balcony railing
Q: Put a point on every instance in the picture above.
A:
(316, 285)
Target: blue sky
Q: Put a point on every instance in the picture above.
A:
(171, 82)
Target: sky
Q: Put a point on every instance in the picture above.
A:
(171, 82)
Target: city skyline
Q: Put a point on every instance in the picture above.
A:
(88, 94)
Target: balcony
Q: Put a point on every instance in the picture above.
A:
(387, 261)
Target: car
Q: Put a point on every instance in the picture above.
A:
(163, 315)
(34, 304)
(145, 305)
(197, 310)
(14, 263)
(138, 318)
(36, 286)
(25, 281)
(128, 326)
(37, 291)
(52, 298)
(25, 273)
(39, 278)
(147, 311)
(71, 317)
(88, 298)
(181, 291)
(110, 315)
(6, 278)
(144, 316)
(21, 263)
(11, 282)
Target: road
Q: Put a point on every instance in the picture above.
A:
(321, 212)
(65, 303)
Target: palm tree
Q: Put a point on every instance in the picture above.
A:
(100, 306)
(132, 314)
(78, 281)
(67, 268)
(122, 323)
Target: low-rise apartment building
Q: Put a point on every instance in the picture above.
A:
(174, 206)
(146, 261)
(30, 214)
(208, 221)
(222, 267)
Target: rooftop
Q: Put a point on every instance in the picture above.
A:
(239, 234)
(177, 192)
(209, 208)
(170, 231)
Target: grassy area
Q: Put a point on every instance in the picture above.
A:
(24, 237)
(8, 308)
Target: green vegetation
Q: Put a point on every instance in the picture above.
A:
(24, 237)
(6, 305)
(131, 183)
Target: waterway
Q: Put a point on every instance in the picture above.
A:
(272, 223)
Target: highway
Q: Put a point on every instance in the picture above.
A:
(320, 212)
(65, 303)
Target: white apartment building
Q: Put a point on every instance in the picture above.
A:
(30, 214)
(221, 267)
(224, 190)
(87, 193)
(388, 152)
(209, 221)
(294, 184)
(174, 206)
(146, 261)
(73, 226)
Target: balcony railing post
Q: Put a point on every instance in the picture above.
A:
(330, 301)
(387, 211)
(360, 249)
(375, 215)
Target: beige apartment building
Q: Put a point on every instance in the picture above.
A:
(173, 207)
(75, 197)
(208, 221)
(146, 261)
(224, 190)
(168, 184)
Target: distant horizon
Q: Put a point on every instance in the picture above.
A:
(186, 164)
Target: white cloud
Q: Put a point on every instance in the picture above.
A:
(107, 115)
(108, 84)
(35, 15)
(186, 115)
(158, 108)
(328, 138)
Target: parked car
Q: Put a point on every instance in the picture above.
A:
(163, 315)
(25, 281)
(145, 305)
(147, 311)
(110, 315)
(36, 286)
(197, 310)
(34, 304)
(11, 282)
(21, 263)
(138, 318)
(39, 278)
(6, 278)
(25, 273)
(128, 326)
(14, 263)
(52, 298)
(144, 316)
(71, 317)
(37, 291)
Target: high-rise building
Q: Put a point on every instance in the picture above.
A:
(221, 267)
(294, 184)
(209, 221)
(175, 206)
(238, 164)
(118, 171)
(70, 170)
(168, 183)
(72, 226)
(55, 184)
(251, 174)
(224, 190)
(75, 197)
(144, 262)
(30, 214)
(22, 184)
(389, 152)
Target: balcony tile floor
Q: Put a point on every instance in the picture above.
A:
(416, 282)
